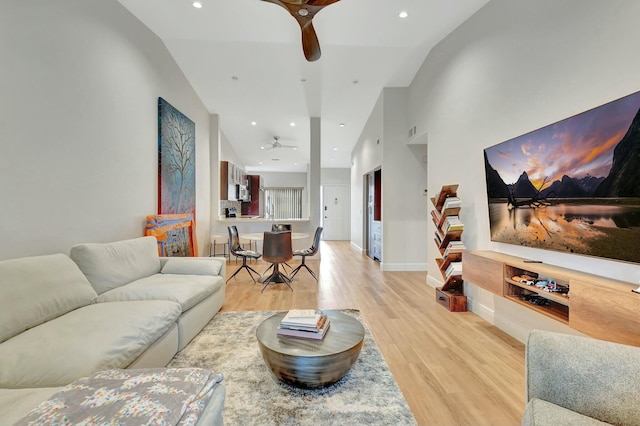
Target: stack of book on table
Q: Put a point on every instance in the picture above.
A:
(305, 323)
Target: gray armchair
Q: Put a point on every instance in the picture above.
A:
(573, 380)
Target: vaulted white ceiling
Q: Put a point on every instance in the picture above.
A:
(245, 61)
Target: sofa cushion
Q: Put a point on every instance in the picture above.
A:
(192, 266)
(542, 413)
(36, 289)
(187, 290)
(92, 338)
(111, 265)
(17, 403)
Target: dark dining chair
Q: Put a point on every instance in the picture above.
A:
(308, 252)
(276, 248)
(280, 227)
(236, 249)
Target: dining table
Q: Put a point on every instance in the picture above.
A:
(259, 236)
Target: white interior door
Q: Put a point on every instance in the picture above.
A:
(336, 206)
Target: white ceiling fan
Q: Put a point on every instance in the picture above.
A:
(276, 144)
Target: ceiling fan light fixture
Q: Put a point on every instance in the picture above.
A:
(303, 12)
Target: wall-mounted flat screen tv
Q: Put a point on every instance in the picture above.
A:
(572, 186)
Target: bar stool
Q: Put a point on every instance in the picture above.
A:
(219, 239)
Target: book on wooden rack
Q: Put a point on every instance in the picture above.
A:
(451, 202)
(452, 223)
(454, 247)
(305, 334)
(454, 268)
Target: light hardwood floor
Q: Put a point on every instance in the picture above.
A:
(453, 368)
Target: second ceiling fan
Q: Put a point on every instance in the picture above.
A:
(276, 144)
(303, 11)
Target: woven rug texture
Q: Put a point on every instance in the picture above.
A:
(367, 395)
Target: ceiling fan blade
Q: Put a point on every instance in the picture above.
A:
(310, 43)
(321, 3)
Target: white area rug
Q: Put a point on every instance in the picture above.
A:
(367, 395)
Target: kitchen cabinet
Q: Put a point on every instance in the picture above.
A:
(252, 208)
(230, 175)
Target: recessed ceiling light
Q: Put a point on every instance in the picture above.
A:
(341, 124)
(355, 81)
(253, 123)
(275, 159)
(259, 162)
(197, 4)
(262, 147)
(403, 14)
(295, 147)
(303, 80)
(292, 124)
(295, 164)
(234, 77)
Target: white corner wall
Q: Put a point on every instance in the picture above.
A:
(80, 80)
(513, 67)
(404, 178)
(383, 144)
(366, 156)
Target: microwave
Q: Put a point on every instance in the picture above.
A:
(242, 193)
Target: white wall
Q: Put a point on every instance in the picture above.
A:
(227, 153)
(384, 144)
(365, 157)
(516, 66)
(335, 176)
(404, 177)
(80, 81)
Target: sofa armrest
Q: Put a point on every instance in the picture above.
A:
(194, 265)
(595, 378)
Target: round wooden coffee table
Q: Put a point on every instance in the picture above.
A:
(312, 363)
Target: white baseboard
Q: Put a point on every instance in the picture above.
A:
(434, 282)
(481, 310)
(356, 247)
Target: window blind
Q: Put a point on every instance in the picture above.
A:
(283, 203)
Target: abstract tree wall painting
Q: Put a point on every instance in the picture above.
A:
(176, 161)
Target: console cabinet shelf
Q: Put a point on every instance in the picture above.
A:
(600, 307)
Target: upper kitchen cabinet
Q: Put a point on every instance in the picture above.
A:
(230, 175)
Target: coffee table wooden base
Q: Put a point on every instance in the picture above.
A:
(312, 363)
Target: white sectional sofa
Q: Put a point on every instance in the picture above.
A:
(114, 305)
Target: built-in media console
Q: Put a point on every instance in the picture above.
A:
(597, 306)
